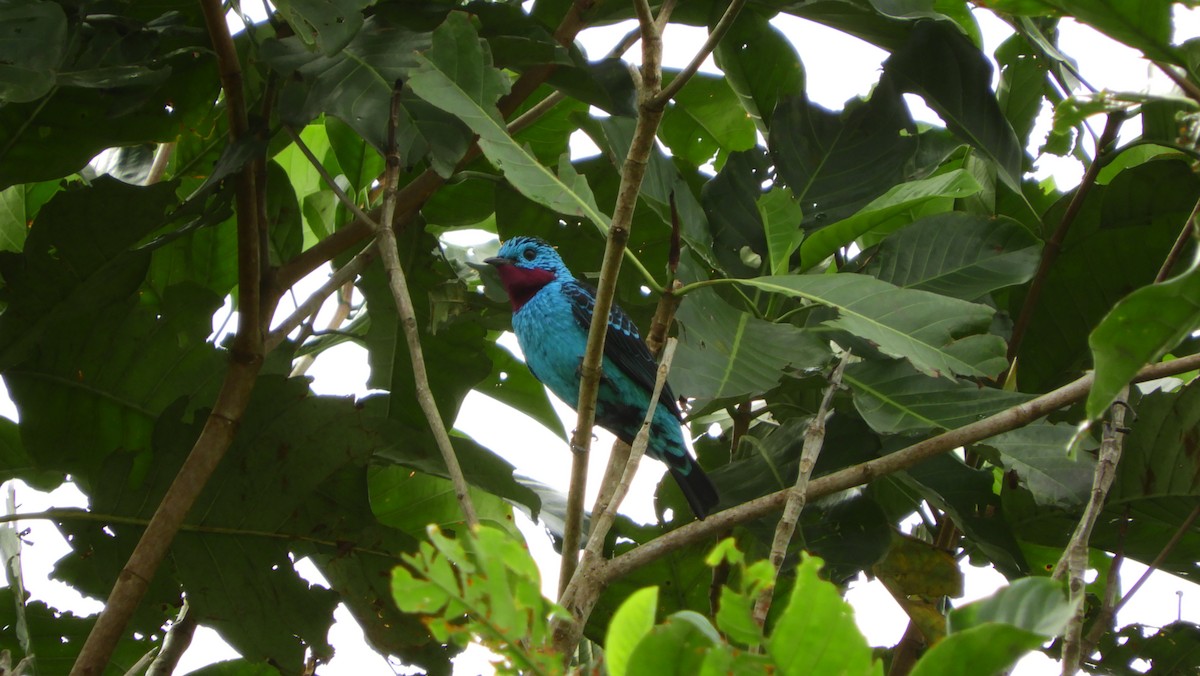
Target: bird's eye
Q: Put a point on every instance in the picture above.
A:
(529, 254)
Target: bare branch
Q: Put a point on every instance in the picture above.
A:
(221, 426)
(329, 180)
(398, 282)
(178, 638)
(814, 439)
(1009, 419)
(1073, 563)
(718, 32)
(347, 273)
(1187, 234)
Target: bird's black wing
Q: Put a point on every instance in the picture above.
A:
(622, 343)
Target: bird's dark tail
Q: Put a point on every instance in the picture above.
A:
(699, 490)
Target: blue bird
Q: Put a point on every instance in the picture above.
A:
(551, 314)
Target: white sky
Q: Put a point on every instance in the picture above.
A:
(541, 455)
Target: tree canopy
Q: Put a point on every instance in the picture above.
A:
(856, 300)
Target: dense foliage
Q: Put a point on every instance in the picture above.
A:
(962, 288)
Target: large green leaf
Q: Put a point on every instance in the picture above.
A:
(938, 335)
(1116, 244)
(704, 119)
(1043, 460)
(895, 398)
(1024, 82)
(888, 211)
(1142, 25)
(761, 66)
(817, 634)
(456, 75)
(33, 42)
(730, 201)
(1138, 331)
(725, 353)
(957, 254)
(955, 79)
(835, 163)
(632, 621)
(327, 27)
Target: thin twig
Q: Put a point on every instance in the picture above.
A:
(1181, 81)
(158, 168)
(246, 359)
(347, 273)
(327, 178)
(1103, 621)
(633, 171)
(1073, 563)
(1054, 244)
(1182, 530)
(719, 30)
(398, 282)
(814, 439)
(345, 304)
(176, 642)
(1187, 234)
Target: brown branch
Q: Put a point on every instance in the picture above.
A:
(398, 282)
(1073, 563)
(1009, 419)
(1054, 244)
(246, 359)
(327, 178)
(814, 439)
(347, 273)
(719, 30)
(1187, 234)
(633, 171)
(1103, 622)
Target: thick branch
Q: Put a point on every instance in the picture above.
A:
(814, 439)
(221, 426)
(397, 281)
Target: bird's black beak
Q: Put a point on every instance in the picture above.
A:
(497, 261)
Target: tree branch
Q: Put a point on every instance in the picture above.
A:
(221, 425)
(347, 273)
(1187, 234)
(390, 255)
(633, 171)
(814, 439)
(719, 30)
(1073, 563)
(176, 642)
(860, 474)
(1054, 244)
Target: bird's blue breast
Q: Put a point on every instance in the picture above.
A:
(554, 342)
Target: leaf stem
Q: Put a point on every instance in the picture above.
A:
(390, 255)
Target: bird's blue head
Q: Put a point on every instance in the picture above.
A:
(525, 265)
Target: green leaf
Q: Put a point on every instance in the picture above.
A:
(1043, 460)
(1024, 82)
(726, 353)
(33, 42)
(931, 331)
(14, 219)
(1139, 330)
(735, 618)
(761, 66)
(283, 214)
(1116, 244)
(677, 646)
(1035, 604)
(894, 398)
(781, 217)
(360, 163)
(835, 163)
(705, 119)
(955, 79)
(327, 27)
(986, 649)
(629, 625)
(410, 501)
(891, 209)
(457, 76)
(816, 633)
(957, 254)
